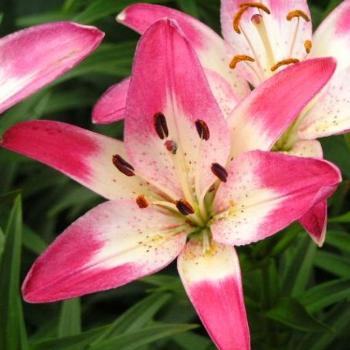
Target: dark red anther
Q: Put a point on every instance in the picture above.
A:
(184, 207)
(160, 125)
(202, 129)
(219, 171)
(123, 166)
(142, 202)
(171, 146)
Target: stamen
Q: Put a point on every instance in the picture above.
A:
(243, 8)
(240, 58)
(308, 46)
(171, 146)
(184, 207)
(122, 165)
(284, 63)
(160, 125)
(219, 171)
(258, 5)
(142, 202)
(297, 14)
(260, 26)
(202, 129)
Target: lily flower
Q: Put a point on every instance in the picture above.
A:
(34, 57)
(260, 39)
(178, 186)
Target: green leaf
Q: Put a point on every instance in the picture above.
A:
(32, 20)
(70, 319)
(294, 315)
(297, 266)
(345, 218)
(101, 8)
(136, 317)
(12, 332)
(189, 6)
(2, 242)
(190, 341)
(133, 340)
(325, 294)
(70, 342)
(336, 264)
(338, 319)
(110, 59)
(32, 241)
(340, 240)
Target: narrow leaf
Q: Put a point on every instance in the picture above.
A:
(11, 317)
(70, 320)
(294, 315)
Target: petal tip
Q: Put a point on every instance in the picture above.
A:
(120, 18)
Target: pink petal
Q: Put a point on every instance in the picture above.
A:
(280, 33)
(113, 244)
(81, 154)
(110, 107)
(261, 119)
(210, 48)
(34, 57)
(330, 114)
(315, 222)
(307, 148)
(266, 191)
(223, 93)
(332, 37)
(163, 83)
(213, 283)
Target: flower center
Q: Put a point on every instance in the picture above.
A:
(194, 207)
(264, 57)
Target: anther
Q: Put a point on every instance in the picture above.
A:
(257, 5)
(123, 166)
(308, 46)
(171, 146)
(202, 129)
(160, 125)
(240, 58)
(142, 202)
(298, 14)
(219, 171)
(243, 8)
(184, 207)
(284, 63)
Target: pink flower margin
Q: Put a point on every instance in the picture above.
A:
(34, 57)
(185, 183)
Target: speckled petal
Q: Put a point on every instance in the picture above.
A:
(165, 93)
(85, 156)
(210, 48)
(266, 191)
(32, 58)
(110, 107)
(330, 113)
(213, 283)
(113, 244)
(269, 110)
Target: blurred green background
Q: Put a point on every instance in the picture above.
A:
(298, 296)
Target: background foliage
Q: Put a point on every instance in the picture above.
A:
(298, 296)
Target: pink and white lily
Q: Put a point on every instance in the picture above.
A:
(180, 185)
(34, 57)
(260, 39)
